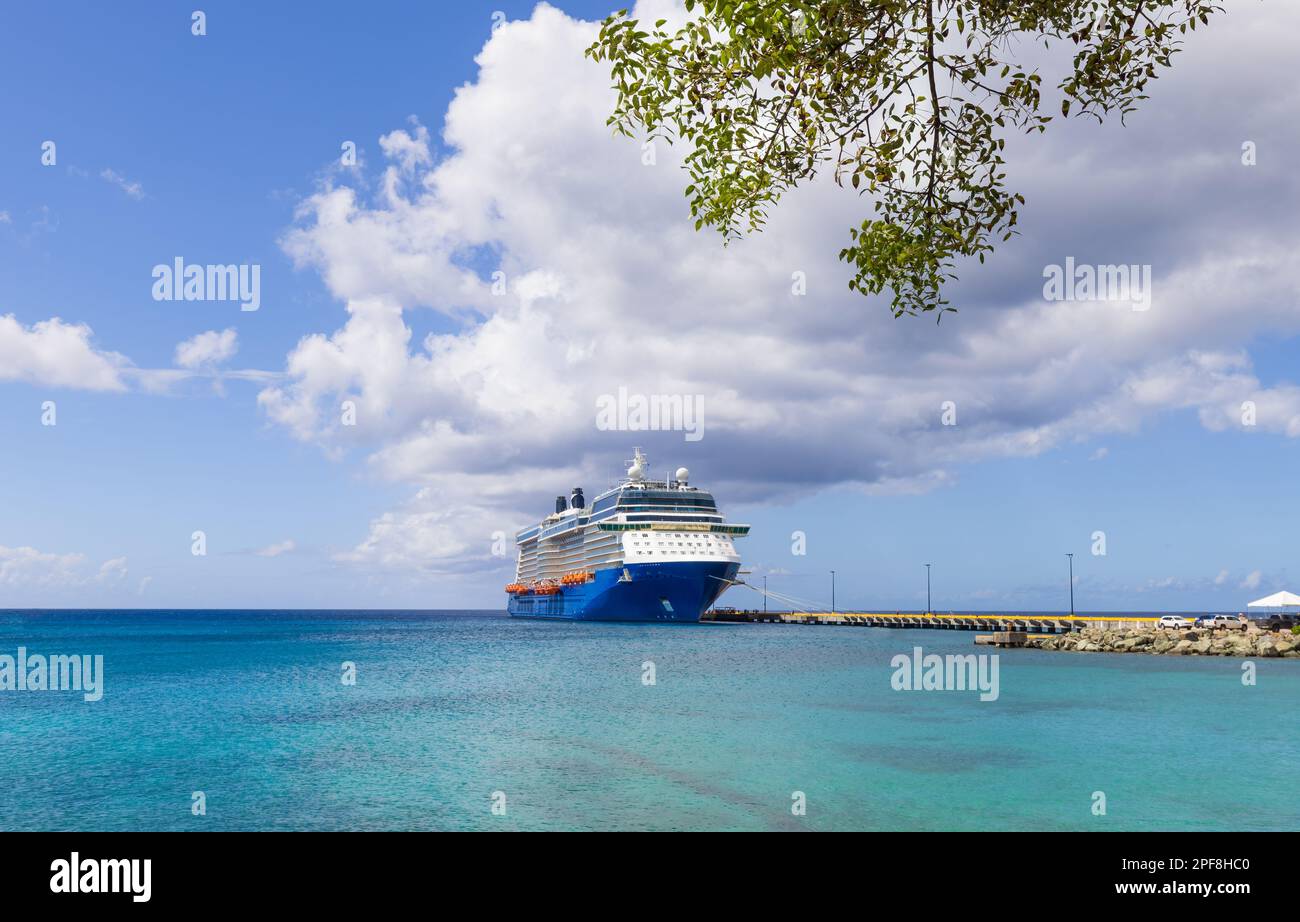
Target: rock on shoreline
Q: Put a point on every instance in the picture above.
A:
(1197, 642)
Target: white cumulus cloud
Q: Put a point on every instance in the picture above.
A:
(29, 568)
(566, 268)
(275, 550)
(207, 349)
(112, 571)
(57, 354)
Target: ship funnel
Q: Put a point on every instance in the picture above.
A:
(560, 504)
(577, 500)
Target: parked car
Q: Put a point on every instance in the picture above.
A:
(1275, 623)
(1173, 622)
(1204, 621)
(1229, 622)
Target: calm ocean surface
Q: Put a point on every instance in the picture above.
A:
(449, 707)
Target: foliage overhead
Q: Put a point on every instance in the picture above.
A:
(908, 101)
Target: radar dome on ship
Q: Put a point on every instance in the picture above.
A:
(637, 470)
(683, 475)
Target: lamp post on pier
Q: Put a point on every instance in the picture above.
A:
(928, 609)
(1071, 556)
(832, 592)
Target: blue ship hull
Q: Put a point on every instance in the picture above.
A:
(661, 592)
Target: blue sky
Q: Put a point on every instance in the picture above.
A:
(823, 414)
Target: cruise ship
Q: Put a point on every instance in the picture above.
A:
(645, 550)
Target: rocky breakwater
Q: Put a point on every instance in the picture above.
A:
(1248, 643)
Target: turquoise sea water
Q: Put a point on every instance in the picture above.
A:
(449, 708)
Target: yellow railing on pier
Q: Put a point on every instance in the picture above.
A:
(941, 616)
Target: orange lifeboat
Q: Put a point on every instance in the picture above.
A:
(516, 588)
(546, 588)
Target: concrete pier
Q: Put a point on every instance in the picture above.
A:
(948, 621)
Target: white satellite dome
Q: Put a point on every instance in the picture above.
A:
(683, 475)
(637, 470)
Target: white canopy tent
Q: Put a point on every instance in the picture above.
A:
(1281, 599)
